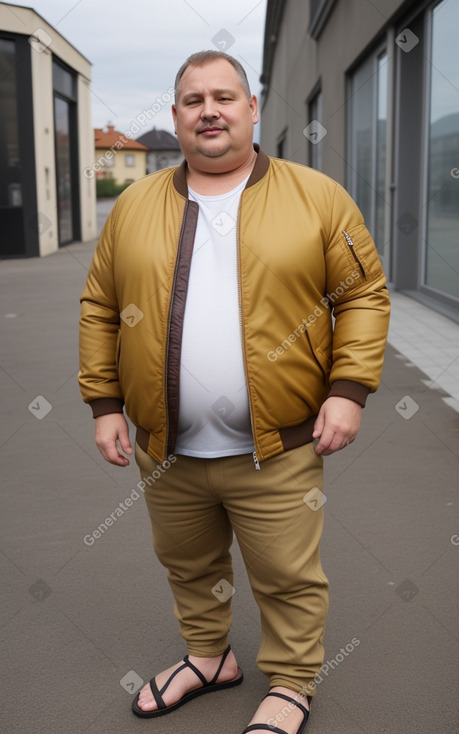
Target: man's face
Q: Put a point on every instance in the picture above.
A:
(214, 118)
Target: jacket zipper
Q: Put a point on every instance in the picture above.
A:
(177, 260)
(239, 288)
(350, 242)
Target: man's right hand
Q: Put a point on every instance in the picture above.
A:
(111, 433)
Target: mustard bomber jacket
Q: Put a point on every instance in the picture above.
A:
(314, 308)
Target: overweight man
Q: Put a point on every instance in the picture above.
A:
(236, 309)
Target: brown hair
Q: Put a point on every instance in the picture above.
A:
(204, 57)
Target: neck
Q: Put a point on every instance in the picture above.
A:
(213, 184)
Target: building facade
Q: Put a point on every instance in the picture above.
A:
(46, 138)
(163, 149)
(118, 156)
(368, 93)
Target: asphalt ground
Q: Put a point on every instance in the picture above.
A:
(81, 625)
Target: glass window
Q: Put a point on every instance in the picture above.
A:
(11, 211)
(66, 143)
(129, 159)
(368, 122)
(442, 210)
(381, 137)
(362, 107)
(10, 191)
(64, 82)
(64, 169)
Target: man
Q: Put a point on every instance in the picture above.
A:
(208, 313)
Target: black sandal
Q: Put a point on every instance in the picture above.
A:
(207, 687)
(268, 727)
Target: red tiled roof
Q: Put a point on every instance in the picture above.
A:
(107, 139)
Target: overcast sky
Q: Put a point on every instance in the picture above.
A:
(137, 47)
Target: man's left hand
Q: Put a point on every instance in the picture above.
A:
(336, 425)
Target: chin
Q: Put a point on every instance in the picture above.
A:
(209, 152)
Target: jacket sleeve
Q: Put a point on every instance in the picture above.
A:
(99, 328)
(357, 294)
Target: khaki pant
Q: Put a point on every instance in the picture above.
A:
(194, 506)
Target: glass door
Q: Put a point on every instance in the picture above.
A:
(11, 205)
(441, 268)
(63, 169)
(367, 144)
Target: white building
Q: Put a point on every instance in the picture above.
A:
(46, 138)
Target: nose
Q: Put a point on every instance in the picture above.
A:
(210, 108)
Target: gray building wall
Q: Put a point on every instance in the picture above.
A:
(300, 63)
(412, 224)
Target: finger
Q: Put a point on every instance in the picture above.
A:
(125, 442)
(326, 440)
(112, 455)
(332, 440)
(337, 446)
(319, 425)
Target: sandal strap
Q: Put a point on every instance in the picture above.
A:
(200, 675)
(171, 677)
(305, 711)
(156, 694)
(275, 729)
(194, 669)
(219, 669)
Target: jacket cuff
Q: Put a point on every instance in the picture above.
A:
(352, 390)
(104, 406)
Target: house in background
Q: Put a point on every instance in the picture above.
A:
(46, 138)
(118, 157)
(164, 149)
(368, 94)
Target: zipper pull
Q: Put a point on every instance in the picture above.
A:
(348, 238)
(256, 462)
(350, 243)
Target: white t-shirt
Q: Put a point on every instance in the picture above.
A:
(214, 417)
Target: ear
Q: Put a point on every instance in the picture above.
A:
(254, 108)
(174, 116)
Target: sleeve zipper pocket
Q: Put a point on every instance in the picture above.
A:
(350, 243)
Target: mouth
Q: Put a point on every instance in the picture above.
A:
(211, 131)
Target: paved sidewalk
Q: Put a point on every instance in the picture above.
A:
(428, 340)
(82, 624)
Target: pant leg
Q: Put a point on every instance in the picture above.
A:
(191, 537)
(279, 533)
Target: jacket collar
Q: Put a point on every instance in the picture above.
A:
(259, 170)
